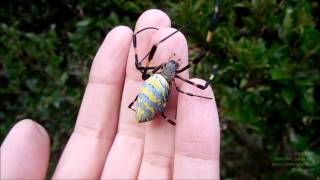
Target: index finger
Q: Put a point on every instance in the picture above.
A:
(87, 148)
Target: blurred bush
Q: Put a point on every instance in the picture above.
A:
(267, 88)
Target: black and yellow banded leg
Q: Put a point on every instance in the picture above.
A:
(131, 104)
(213, 73)
(152, 53)
(189, 94)
(134, 41)
(154, 70)
(157, 68)
(210, 34)
(168, 120)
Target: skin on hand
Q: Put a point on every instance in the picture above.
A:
(107, 142)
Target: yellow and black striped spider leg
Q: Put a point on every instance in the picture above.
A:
(187, 93)
(152, 53)
(213, 73)
(210, 34)
(131, 104)
(168, 120)
(134, 42)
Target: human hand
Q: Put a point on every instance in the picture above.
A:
(107, 142)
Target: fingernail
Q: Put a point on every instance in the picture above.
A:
(41, 130)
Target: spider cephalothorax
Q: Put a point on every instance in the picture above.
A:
(169, 70)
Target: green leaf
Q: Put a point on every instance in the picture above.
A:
(32, 84)
(307, 102)
(287, 23)
(287, 95)
(84, 22)
(279, 73)
(243, 83)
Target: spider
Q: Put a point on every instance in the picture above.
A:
(154, 93)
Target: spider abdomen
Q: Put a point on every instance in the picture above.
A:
(152, 97)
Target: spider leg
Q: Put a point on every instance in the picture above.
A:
(168, 120)
(131, 104)
(210, 33)
(214, 72)
(189, 94)
(134, 42)
(152, 53)
(156, 69)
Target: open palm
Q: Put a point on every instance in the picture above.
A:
(107, 142)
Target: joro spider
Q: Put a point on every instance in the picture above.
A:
(154, 93)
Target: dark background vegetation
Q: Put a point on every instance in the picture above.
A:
(267, 88)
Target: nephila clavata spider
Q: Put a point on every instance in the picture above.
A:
(154, 93)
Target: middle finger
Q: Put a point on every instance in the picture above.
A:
(159, 140)
(124, 158)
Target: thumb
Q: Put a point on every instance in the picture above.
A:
(25, 152)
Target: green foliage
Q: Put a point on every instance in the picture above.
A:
(267, 88)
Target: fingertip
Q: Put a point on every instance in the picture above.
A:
(118, 37)
(153, 17)
(110, 61)
(121, 30)
(26, 142)
(28, 127)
